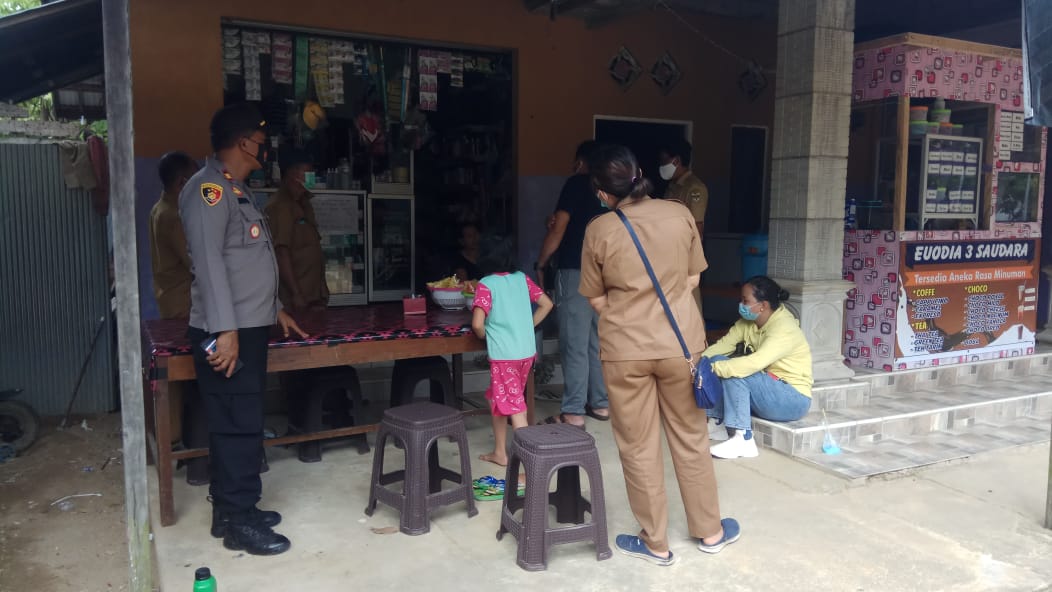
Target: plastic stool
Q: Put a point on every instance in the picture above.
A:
(309, 410)
(419, 426)
(408, 373)
(543, 450)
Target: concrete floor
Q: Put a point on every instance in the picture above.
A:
(968, 526)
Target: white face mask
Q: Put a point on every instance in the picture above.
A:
(667, 170)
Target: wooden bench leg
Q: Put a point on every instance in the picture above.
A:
(163, 427)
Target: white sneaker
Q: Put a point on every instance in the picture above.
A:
(717, 431)
(736, 447)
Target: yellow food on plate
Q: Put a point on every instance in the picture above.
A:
(449, 282)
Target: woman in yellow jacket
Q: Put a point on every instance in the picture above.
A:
(772, 380)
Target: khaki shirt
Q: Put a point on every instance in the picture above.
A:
(170, 259)
(294, 226)
(633, 326)
(235, 283)
(692, 192)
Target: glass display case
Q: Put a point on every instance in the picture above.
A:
(391, 231)
(341, 223)
(950, 176)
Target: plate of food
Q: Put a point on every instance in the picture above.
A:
(447, 293)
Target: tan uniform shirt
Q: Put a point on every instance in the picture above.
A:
(170, 259)
(294, 226)
(633, 326)
(692, 192)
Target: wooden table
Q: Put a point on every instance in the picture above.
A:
(338, 337)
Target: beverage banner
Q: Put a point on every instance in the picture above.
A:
(971, 297)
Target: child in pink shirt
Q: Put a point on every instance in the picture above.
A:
(503, 315)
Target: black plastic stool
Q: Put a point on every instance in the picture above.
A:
(408, 373)
(419, 426)
(308, 412)
(543, 450)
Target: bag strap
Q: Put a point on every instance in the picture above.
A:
(657, 288)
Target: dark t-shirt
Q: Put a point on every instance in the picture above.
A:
(579, 200)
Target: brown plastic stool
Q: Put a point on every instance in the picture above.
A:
(543, 450)
(307, 410)
(419, 426)
(408, 373)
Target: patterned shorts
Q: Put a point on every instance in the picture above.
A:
(507, 386)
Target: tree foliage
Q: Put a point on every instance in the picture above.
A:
(12, 6)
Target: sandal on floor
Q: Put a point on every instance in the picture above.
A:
(487, 481)
(490, 494)
(590, 412)
(557, 419)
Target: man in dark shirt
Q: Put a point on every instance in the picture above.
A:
(585, 392)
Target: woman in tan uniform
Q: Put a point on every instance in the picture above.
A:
(646, 376)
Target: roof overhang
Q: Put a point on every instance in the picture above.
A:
(45, 48)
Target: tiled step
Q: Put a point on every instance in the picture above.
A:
(887, 416)
(894, 430)
(864, 460)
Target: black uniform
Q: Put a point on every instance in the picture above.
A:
(235, 286)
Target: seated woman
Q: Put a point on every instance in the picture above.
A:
(771, 378)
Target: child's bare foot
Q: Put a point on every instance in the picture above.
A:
(500, 460)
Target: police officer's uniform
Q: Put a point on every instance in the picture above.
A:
(693, 193)
(294, 226)
(689, 190)
(235, 286)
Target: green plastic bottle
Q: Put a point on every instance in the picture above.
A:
(204, 581)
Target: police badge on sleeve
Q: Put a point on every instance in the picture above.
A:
(211, 193)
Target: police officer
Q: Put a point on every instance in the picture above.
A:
(297, 243)
(171, 289)
(234, 300)
(683, 185)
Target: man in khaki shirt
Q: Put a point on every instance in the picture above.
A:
(297, 243)
(168, 253)
(171, 288)
(683, 185)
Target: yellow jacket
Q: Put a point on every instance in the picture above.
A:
(779, 347)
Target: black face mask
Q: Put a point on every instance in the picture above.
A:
(261, 152)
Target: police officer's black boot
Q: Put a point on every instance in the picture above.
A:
(220, 522)
(254, 539)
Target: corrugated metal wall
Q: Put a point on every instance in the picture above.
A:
(54, 285)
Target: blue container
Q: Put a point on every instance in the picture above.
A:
(754, 255)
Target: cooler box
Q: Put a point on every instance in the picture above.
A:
(754, 255)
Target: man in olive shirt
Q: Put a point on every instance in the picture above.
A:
(171, 288)
(683, 185)
(297, 243)
(168, 254)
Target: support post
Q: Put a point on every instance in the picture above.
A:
(1048, 496)
(812, 112)
(902, 153)
(117, 55)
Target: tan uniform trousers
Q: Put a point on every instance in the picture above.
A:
(644, 397)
